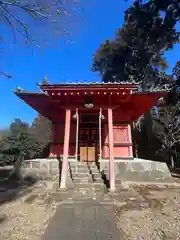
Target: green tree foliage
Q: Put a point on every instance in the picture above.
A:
(3, 132)
(17, 143)
(136, 53)
(41, 131)
(22, 142)
(25, 141)
(173, 96)
(176, 72)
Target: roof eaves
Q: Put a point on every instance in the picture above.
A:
(87, 84)
(22, 92)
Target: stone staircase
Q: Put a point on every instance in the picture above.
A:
(85, 174)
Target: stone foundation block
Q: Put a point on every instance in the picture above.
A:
(44, 169)
(138, 170)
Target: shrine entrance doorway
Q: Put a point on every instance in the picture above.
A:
(89, 137)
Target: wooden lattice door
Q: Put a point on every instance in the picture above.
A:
(88, 141)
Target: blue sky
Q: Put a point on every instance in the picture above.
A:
(60, 61)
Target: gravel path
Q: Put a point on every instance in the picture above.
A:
(86, 221)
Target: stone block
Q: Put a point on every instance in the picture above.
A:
(23, 172)
(40, 168)
(53, 164)
(34, 173)
(44, 165)
(53, 171)
(104, 165)
(44, 174)
(142, 171)
(26, 164)
(35, 164)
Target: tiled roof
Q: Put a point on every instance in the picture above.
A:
(160, 88)
(89, 83)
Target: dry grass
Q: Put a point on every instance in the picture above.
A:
(25, 217)
(149, 213)
(157, 219)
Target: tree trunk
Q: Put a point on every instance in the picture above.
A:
(16, 169)
(172, 162)
(150, 135)
(135, 149)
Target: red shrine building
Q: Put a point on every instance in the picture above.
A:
(91, 121)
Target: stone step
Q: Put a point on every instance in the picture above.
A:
(82, 163)
(97, 186)
(86, 186)
(98, 180)
(81, 174)
(80, 168)
(82, 180)
(105, 170)
(84, 174)
(84, 170)
(88, 180)
(87, 175)
(94, 171)
(96, 175)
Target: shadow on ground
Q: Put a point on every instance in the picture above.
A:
(2, 219)
(14, 187)
(175, 172)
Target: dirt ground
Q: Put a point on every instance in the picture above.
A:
(155, 215)
(25, 217)
(149, 212)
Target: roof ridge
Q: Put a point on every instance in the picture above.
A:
(91, 83)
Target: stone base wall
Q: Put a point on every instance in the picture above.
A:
(139, 170)
(40, 168)
(44, 169)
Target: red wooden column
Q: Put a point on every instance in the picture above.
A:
(111, 151)
(130, 141)
(66, 149)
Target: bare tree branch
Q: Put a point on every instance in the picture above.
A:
(169, 135)
(53, 12)
(50, 15)
(17, 20)
(5, 74)
(12, 27)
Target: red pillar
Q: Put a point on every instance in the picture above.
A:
(64, 171)
(111, 151)
(130, 141)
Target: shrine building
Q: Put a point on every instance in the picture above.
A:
(91, 122)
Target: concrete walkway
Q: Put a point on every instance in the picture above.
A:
(83, 221)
